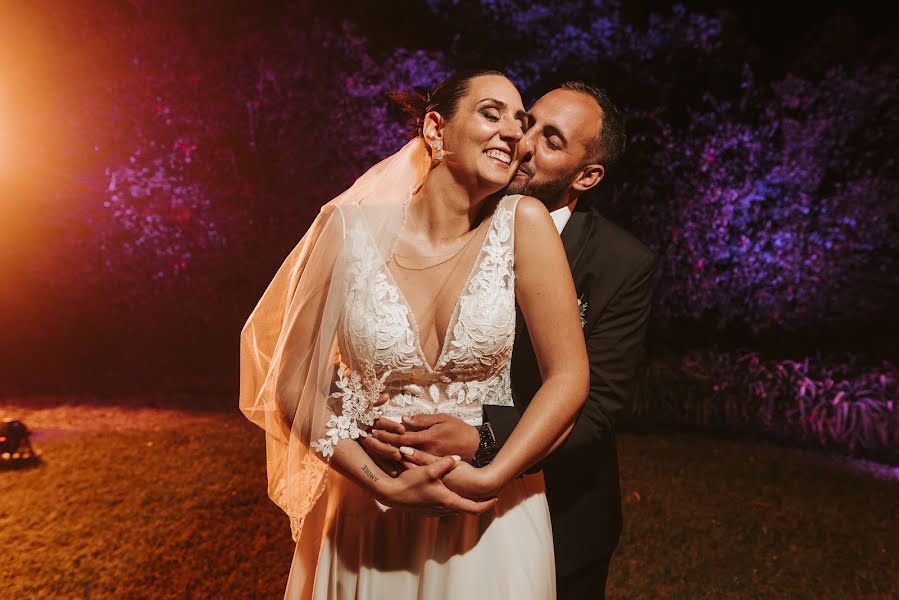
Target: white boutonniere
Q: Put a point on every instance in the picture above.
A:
(582, 308)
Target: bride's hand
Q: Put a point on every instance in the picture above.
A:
(471, 482)
(465, 480)
(422, 489)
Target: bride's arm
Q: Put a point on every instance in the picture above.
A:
(546, 295)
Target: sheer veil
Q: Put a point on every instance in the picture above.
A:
(289, 353)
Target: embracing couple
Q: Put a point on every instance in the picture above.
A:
(438, 363)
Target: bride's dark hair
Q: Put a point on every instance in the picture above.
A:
(444, 99)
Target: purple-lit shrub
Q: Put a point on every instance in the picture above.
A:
(534, 40)
(830, 402)
(780, 209)
(160, 214)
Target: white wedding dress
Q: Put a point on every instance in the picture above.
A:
(370, 551)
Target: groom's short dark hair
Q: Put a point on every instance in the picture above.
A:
(609, 145)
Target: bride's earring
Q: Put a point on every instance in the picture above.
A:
(439, 148)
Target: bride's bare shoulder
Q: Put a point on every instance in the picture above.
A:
(532, 218)
(532, 206)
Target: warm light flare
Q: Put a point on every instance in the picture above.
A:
(5, 129)
(25, 92)
(32, 137)
(11, 80)
(35, 82)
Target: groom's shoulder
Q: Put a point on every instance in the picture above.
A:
(615, 243)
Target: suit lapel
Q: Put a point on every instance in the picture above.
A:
(575, 234)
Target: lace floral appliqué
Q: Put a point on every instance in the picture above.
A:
(484, 331)
(356, 410)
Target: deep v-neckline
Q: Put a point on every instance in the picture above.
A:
(413, 320)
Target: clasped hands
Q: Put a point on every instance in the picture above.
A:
(427, 457)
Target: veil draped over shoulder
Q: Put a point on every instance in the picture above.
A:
(289, 353)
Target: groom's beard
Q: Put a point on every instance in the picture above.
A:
(550, 193)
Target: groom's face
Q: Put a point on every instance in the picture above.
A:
(554, 149)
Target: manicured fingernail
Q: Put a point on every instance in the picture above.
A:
(456, 457)
(407, 450)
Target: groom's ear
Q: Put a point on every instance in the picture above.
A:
(432, 128)
(589, 177)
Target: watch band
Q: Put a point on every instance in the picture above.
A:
(486, 448)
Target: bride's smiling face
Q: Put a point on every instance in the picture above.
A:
(480, 140)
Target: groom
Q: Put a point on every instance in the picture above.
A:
(576, 133)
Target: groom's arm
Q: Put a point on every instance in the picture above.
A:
(614, 348)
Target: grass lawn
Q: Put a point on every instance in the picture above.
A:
(150, 502)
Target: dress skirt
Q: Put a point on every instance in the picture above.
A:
(371, 552)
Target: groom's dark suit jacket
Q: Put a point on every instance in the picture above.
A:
(612, 272)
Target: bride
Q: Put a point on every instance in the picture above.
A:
(406, 285)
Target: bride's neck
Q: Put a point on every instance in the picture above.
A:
(444, 209)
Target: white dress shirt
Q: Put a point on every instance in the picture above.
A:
(560, 217)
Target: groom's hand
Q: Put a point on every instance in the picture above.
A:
(391, 459)
(437, 435)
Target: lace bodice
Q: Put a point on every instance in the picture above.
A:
(380, 344)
